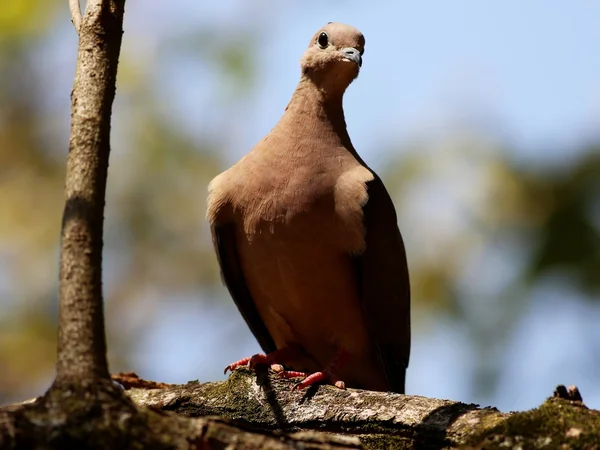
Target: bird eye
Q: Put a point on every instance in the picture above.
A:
(323, 40)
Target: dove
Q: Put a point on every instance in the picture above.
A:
(307, 239)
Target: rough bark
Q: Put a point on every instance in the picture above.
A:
(81, 338)
(263, 412)
(104, 421)
(379, 420)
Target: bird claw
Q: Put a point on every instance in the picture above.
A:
(242, 362)
(260, 359)
(340, 385)
(287, 374)
(255, 360)
(327, 376)
(277, 368)
(319, 377)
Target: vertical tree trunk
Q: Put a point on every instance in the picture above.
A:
(81, 337)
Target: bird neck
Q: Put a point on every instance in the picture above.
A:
(313, 111)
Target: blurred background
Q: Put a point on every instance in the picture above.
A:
(482, 118)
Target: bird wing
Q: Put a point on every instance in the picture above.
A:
(225, 242)
(384, 285)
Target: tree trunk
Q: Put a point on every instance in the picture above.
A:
(81, 339)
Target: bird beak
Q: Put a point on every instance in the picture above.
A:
(351, 54)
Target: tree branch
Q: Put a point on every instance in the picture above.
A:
(257, 411)
(75, 10)
(266, 402)
(379, 420)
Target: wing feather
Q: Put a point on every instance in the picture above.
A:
(224, 240)
(383, 279)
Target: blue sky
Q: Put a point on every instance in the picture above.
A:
(525, 72)
(528, 67)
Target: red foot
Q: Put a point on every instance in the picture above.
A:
(251, 362)
(328, 375)
(260, 359)
(320, 377)
(287, 374)
(235, 365)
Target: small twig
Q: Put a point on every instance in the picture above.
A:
(75, 14)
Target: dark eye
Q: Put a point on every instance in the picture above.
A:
(323, 40)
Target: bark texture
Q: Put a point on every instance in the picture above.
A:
(378, 420)
(262, 412)
(81, 338)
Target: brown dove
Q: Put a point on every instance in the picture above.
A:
(307, 238)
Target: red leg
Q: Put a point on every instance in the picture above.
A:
(310, 379)
(320, 377)
(292, 374)
(329, 375)
(260, 359)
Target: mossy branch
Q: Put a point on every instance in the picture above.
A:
(380, 420)
(261, 411)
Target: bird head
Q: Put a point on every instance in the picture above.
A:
(334, 56)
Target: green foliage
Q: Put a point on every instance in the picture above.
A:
(570, 238)
(24, 19)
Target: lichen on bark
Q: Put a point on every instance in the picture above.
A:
(380, 420)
